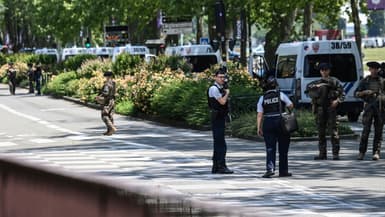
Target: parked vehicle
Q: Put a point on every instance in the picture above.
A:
(296, 66)
(68, 52)
(48, 51)
(139, 50)
(201, 57)
(102, 52)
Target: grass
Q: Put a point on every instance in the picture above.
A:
(373, 54)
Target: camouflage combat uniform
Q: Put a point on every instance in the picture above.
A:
(373, 111)
(323, 92)
(11, 74)
(108, 92)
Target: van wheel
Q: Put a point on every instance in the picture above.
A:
(353, 116)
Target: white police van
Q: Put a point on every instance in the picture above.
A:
(297, 65)
(69, 52)
(48, 51)
(201, 57)
(139, 50)
(102, 52)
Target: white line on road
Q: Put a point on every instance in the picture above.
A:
(5, 144)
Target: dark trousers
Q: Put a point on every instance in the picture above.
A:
(12, 87)
(273, 134)
(38, 86)
(220, 147)
(370, 116)
(31, 88)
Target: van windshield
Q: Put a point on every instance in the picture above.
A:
(343, 66)
(286, 66)
(201, 63)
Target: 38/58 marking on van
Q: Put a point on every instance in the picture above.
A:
(341, 45)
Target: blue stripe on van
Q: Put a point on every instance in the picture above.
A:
(347, 86)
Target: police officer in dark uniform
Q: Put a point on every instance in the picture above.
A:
(31, 77)
(371, 90)
(107, 100)
(37, 77)
(11, 74)
(218, 96)
(326, 93)
(269, 126)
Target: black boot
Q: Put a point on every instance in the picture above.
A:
(222, 168)
(214, 169)
(321, 156)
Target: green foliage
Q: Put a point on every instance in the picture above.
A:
(125, 64)
(183, 100)
(125, 108)
(246, 125)
(89, 67)
(59, 84)
(75, 62)
(3, 59)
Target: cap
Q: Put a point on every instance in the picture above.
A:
(373, 64)
(107, 73)
(10, 63)
(324, 66)
(271, 82)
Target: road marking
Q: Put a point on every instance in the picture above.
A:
(52, 109)
(6, 144)
(42, 141)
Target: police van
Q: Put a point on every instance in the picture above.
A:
(139, 50)
(48, 51)
(297, 65)
(69, 52)
(201, 57)
(102, 52)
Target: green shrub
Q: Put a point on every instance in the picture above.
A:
(125, 64)
(73, 63)
(183, 100)
(246, 125)
(59, 84)
(89, 67)
(125, 108)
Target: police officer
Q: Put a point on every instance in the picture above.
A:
(37, 77)
(326, 93)
(218, 96)
(11, 74)
(31, 77)
(371, 90)
(269, 126)
(108, 95)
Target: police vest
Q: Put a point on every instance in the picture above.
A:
(270, 103)
(215, 105)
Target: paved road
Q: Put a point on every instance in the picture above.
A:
(67, 136)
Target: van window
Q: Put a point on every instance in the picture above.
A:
(343, 66)
(286, 66)
(201, 63)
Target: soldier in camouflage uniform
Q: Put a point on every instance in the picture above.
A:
(107, 100)
(326, 93)
(371, 90)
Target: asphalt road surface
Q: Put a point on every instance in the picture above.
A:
(68, 136)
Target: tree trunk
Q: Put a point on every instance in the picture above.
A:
(307, 19)
(357, 24)
(280, 34)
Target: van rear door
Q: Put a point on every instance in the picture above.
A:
(285, 73)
